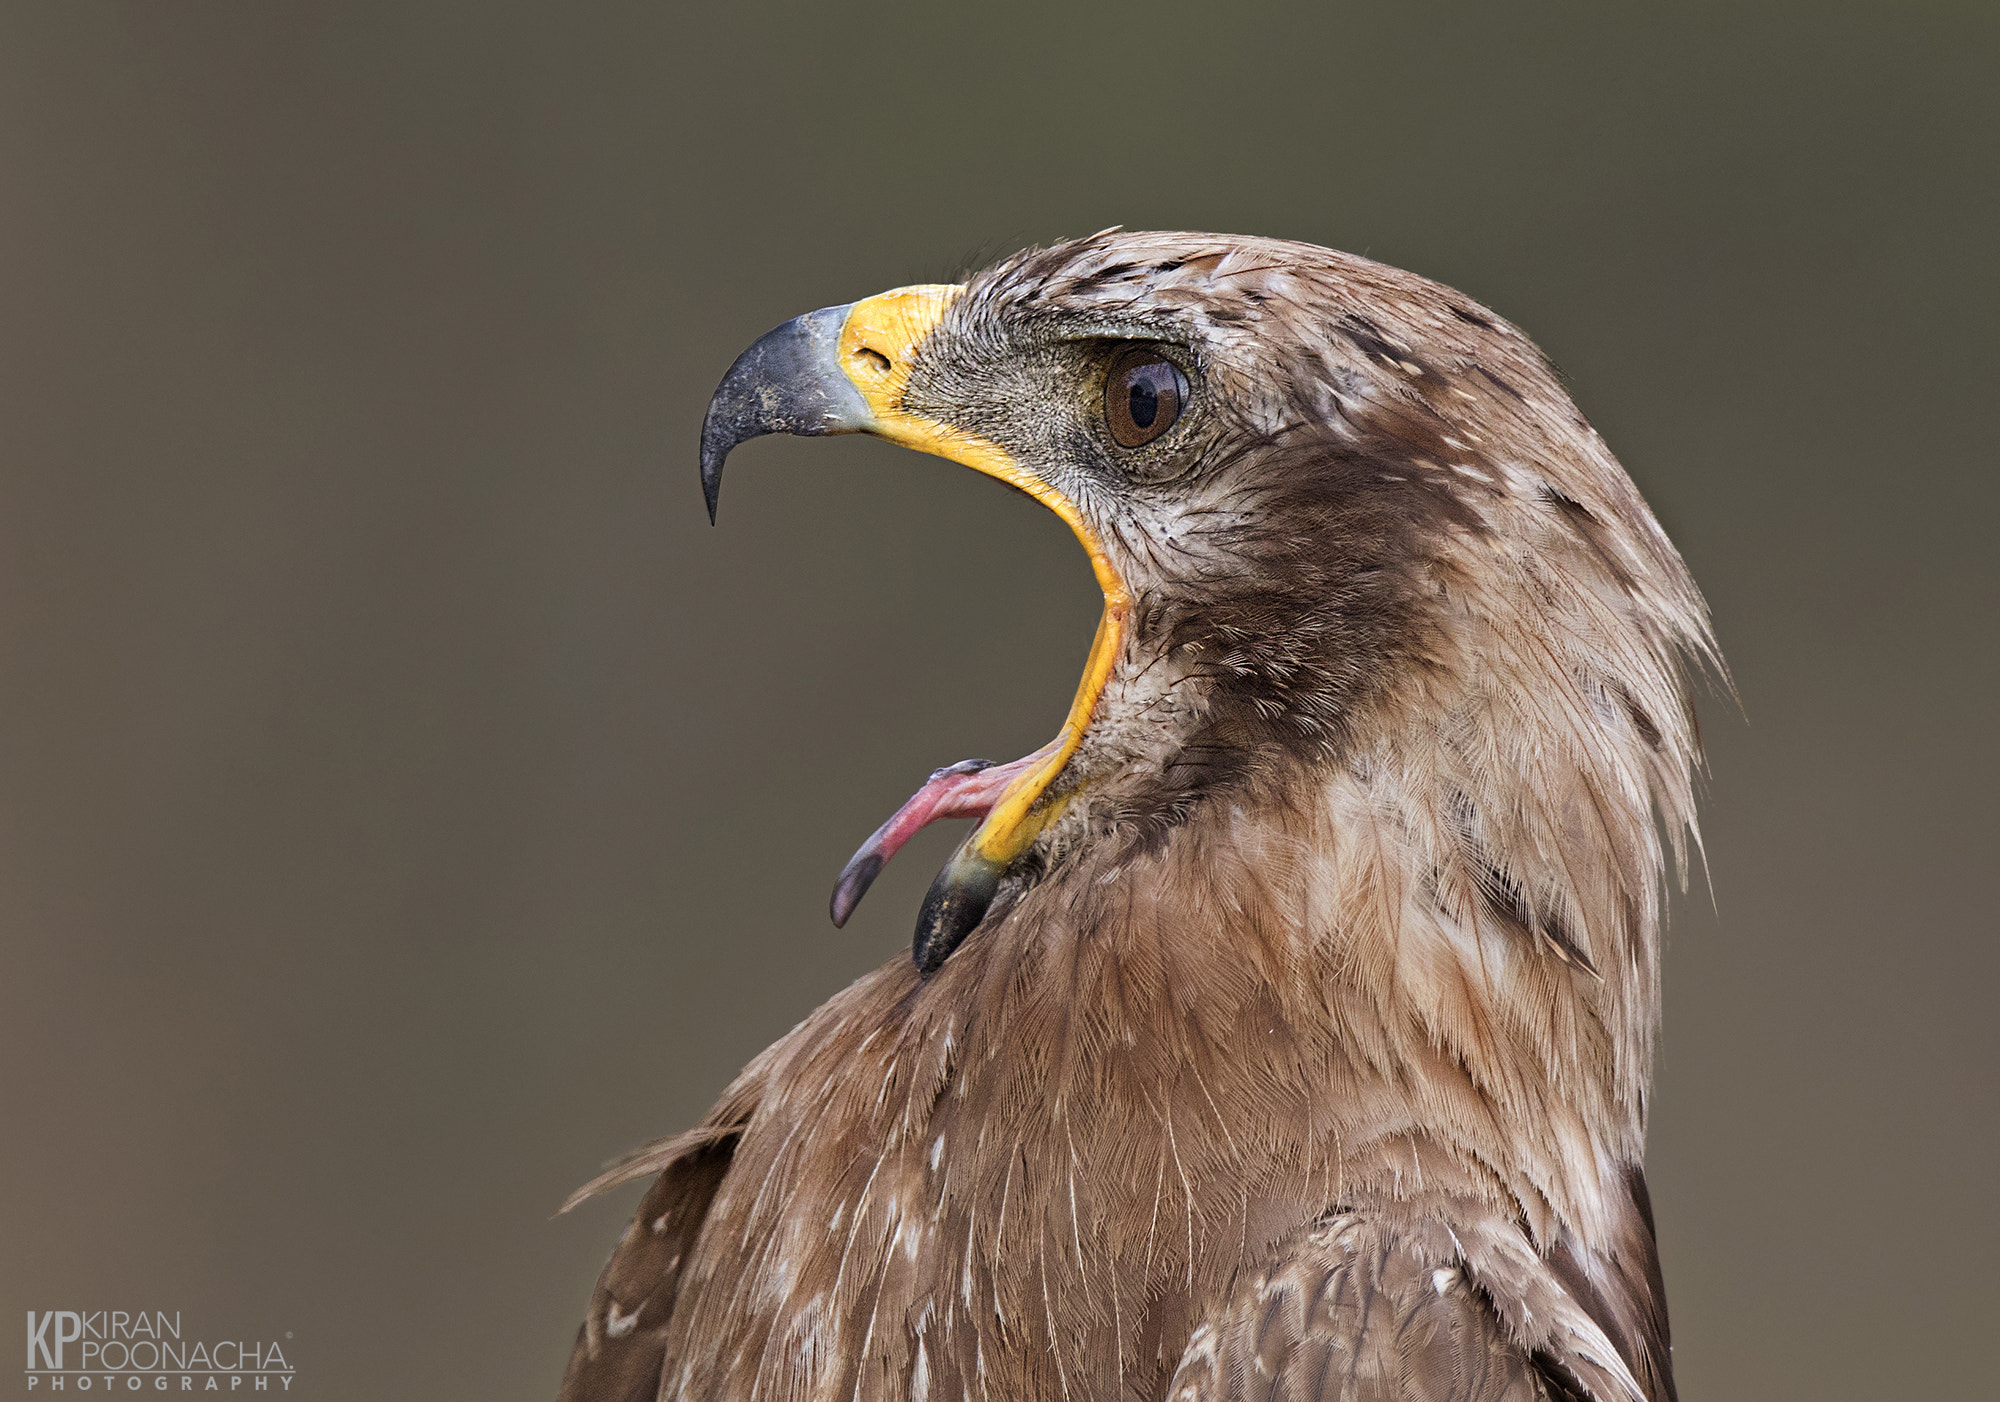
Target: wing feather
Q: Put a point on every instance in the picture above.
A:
(1384, 1307)
(622, 1344)
(1350, 1314)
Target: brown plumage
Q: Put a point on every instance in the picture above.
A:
(1302, 1049)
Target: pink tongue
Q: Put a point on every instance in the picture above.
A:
(968, 789)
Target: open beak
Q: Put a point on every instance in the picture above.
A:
(844, 370)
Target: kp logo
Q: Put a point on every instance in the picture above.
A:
(144, 1349)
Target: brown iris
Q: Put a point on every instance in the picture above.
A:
(1143, 396)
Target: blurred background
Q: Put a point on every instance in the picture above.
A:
(408, 802)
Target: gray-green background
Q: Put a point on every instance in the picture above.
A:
(408, 802)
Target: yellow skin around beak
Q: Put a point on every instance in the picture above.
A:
(877, 345)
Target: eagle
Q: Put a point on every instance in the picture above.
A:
(1283, 1028)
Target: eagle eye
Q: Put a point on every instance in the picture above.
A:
(1143, 397)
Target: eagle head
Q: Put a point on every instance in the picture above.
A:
(1347, 524)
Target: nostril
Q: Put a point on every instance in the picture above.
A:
(874, 359)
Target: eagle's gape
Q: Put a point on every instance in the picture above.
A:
(968, 789)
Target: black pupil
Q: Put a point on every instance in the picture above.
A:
(1145, 401)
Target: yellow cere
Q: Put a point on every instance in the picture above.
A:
(877, 345)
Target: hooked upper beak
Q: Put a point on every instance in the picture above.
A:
(839, 370)
(844, 370)
(788, 382)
